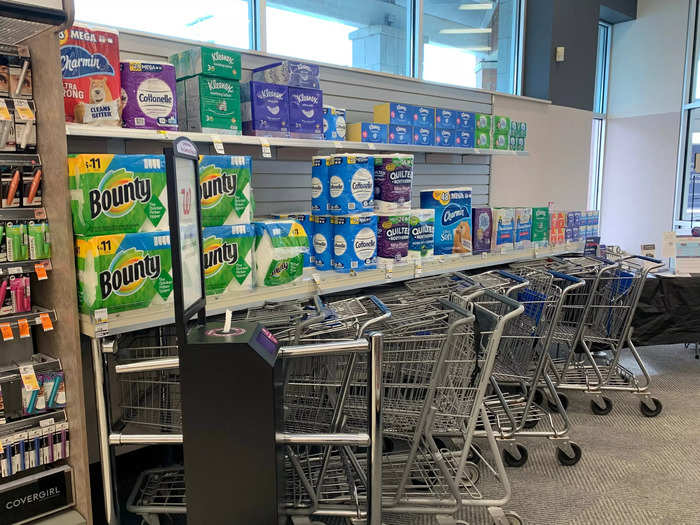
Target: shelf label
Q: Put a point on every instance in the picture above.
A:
(29, 377)
(4, 113)
(337, 144)
(371, 145)
(46, 322)
(14, 270)
(48, 422)
(317, 278)
(40, 213)
(418, 268)
(101, 319)
(23, 328)
(40, 271)
(218, 144)
(6, 330)
(162, 132)
(266, 151)
(484, 255)
(389, 270)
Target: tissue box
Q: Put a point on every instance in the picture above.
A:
(453, 208)
(220, 63)
(521, 144)
(501, 124)
(500, 141)
(446, 118)
(466, 121)
(124, 272)
(306, 113)
(289, 73)
(400, 134)
(228, 258)
(423, 136)
(212, 105)
(224, 181)
(265, 109)
(424, 117)
(483, 122)
(482, 219)
(333, 123)
(540, 226)
(445, 137)
(148, 95)
(464, 139)
(482, 139)
(503, 238)
(394, 113)
(368, 132)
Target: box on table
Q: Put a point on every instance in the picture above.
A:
(394, 113)
(221, 63)
(289, 73)
(367, 132)
(265, 109)
(212, 105)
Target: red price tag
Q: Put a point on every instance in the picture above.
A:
(23, 328)
(40, 271)
(46, 323)
(6, 330)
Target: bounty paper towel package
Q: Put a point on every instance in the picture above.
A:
(279, 251)
(117, 193)
(400, 134)
(367, 132)
(212, 105)
(305, 113)
(224, 181)
(124, 272)
(394, 113)
(304, 219)
(523, 228)
(393, 179)
(445, 118)
(503, 238)
(320, 199)
(265, 109)
(453, 208)
(228, 258)
(421, 233)
(289, 73)
(321, 241)
(464, 139)
(221, 63)
(445, 137)
(540, 226)
(423, 136)
(392, 237)
(482, 219)
(333, 123)
(354, 242)
(351, 184)
(424, 117)
(148, 95)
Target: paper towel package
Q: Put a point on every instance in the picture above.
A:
(212, 105)
(445, 137)
(466, 121)
(424, 117)
(464, 139)
(117, 193)
(279, 251)
(322, 242)
(523, 228)
(228, 258)
(393, 179)
(221, 63)
(320, 199)
(306, 113)
(124, 272)
(351, 184)
(421, 233)
(446, 118)
(540, 226)
(392, 237)
(367, 132)
(224, 181)
(394, 113)
(453, 209)
(354, 242)
(400, 134)
(265, 109)
(333, 123)
(304, 219)
(482, 227)
(423, 136)
(503, 239)
(148, 95)
(289, 73)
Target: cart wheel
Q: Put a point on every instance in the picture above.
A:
(567, 460)
(387, 444)
(513, 518)
(539, 397)
(564, 402)
(531, 423)
(471, 473)
(473, 456)
(602, 411)
(651, 412)
(511, 461)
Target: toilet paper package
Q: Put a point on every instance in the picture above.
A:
(227, 252)
(124, 272)
(148, 95)
(421, 233)
(351, 184)
(523, 228)
(304, 219)
(400, 134)
(557, 226)
(423, 136)
(392, 237)
(446, 118)
(482, 139)
(265, 109)
(279, 251)
(464, 139)
(212, 105)
(320, 199)
(305, 113)
(540, 226)
(367, 132)
(354, 242)
(500, 141)
(453, 209)
(501, 124)
(393, 179)
(289, 73)
(117, 193)
(483, 224)
(503, 239)
(334, 126)
(322, 242)
(224, 181)
(445, 137)
(220, 63)
(466, 121)
(394, 113)
(424, 117)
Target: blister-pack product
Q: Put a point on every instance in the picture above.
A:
(17, 241)
(39, 240)
(279, 251)
(224, 181)
(453, 208)
(351, 184)
(393, 181)
(421, 233)
(392, 237)
(354, 242)
(321, 241)
(228, 258)
(148, 95)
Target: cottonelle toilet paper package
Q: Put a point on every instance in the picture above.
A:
(320, 200)
(124, 272)
(421, 233)
(393, 179)
(279, 251)
(148, 95)
(351, 184)
(354, 242)
(117, 193)
(224, 181)
(392, 238)
(322, 241)
(228, 258)
(453, 209)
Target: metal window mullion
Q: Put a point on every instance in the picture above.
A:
(605, 76)
(520, 49)
(417, 42)
(258, 24)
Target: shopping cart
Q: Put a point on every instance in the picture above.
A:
(159, 492)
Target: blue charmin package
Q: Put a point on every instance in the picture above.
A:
(354, 242)
(351, 184)
(453, 210)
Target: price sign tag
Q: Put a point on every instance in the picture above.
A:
(23, 110)
(484, 255)
(162, 132)
(23, 328)
(6, 331)
(266, 151)
(14, 270)
(371, 145)
(218, 144)
(317, 278)
(29, 377)
(337, 144)
(40, 271)
(389, 270)
(47, 422)
(46, 322)
(101, 319)
(40, 213)
(418, 268)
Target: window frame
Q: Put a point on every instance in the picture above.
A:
(595, 186)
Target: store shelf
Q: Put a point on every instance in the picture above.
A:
(19, 22)
(78, 130)
(16, 214)
(17, 267)
(313, 283)
(33, 317)
(19, 159)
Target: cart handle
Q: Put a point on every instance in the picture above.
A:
(511, 276)
(464, 277)
(564, 276)
(606, 261)
(645, 258)
(379, 304)
(455, 307)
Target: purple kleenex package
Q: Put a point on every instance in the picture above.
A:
(423, 136)
(265, 109)
(399, 134)
(445, 137)
(148, 95)
(305, 113)
(482, 219)
(291, 73)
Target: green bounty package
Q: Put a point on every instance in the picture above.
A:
(228, 258)
(117, 193)
(124, 272)
(225, 184)
(279, 251)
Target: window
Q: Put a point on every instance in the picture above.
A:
(600, 107)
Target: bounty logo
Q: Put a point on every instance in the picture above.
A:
(77, 62)
(280, 267)
(215, 184)
(128, 273)
(218, 253)
(453, 214)
(117, 194)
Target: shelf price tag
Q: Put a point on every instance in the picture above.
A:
(218, 144)
(389, 270)
(23, 325)
(266, 151)
(484, 255)
(40, 213)
(6, 331)
(40, 271)
(371, 145)
(28, 377)
(46, 322)
(418, 268)
(14, 270)
(337, 144)
(316, 278)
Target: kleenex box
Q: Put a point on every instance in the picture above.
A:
(423, 136)
(265, 109)
(466, 121)
(333, 123)
(400, 134)
(220, 63)
(289, 73)
(446, 118)
(394, 113)
(464, 139)
(445, 137)
(305, 113)
(424, 117)
(367, 132)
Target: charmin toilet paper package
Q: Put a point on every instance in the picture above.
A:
(523, 228)
(393, 180)
(148, 95)
(124, 272)
(482, 225)
(453, 208)
(320, 199)
(117, 193)
(224, 181)
(421, 233)
(228, 258)
(322, 241)
(279, 251)
(540, 226)
(351, 184)
(354, 242)
(392, 237)
(503, 238)
(304, 219)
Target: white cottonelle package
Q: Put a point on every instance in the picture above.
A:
(351, 184)
(321, 241)
(279, 251)
(320, 203)
(421, 233)
(354, 242)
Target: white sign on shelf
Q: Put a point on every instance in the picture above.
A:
(266, 151)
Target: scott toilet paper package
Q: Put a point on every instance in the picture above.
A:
(279, 251)
(224, 181)
(124, 272)
(523, 228)
(148, 95)
(393, 179)
(392, 237)
(321, 241)
(503, 239)
(351, 184)
(421, 233)
(305, 220)
(354, 242)
(117, 193)
(453, 209)
(228, 258)
(320, 200)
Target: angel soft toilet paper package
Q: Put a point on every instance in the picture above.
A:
(354, 242)
(453, 209)
(320, 200)
(227, 252)
(224, 181)
(392, 237)
(393, 179)
(124, 272)
(279, 251)
(321, 241)
(351, 184)
(117, 193)
(421, 233)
